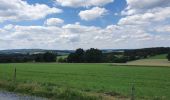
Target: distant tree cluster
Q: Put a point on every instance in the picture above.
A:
(86, 56)
(21, 58)
(114, 57)
(96, 56)
(144, 53)
(89, 56)
(15, 58)
(168, 56)
(46, 57)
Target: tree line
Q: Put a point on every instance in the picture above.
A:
(91, 55)
(145, 53)
(21, 58)
(97, 56)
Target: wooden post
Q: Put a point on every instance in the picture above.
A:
(133, 92)
(14, 79)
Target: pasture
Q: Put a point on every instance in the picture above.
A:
(115, 80)
(149, 62)
(161, 56)
(157, 60)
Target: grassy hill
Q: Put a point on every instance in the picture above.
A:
(158, 60)
(162, 56)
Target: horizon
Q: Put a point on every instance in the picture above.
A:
(72, 24)
(80, 48)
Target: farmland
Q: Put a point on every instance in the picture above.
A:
(162, 56)
(150, 82)
(158, 60)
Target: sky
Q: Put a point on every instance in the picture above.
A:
(72, 24)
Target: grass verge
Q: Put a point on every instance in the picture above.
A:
(48, 90)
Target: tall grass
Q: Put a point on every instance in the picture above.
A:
(52, 92)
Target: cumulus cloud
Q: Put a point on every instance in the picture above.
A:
(54, 21)
(146, 26)
(72, 36)
(138, 6)
(148, 13)
(93, 13)
(162, 28)
(83, 3)
(147, 17)
(17, 10)
(147, 4)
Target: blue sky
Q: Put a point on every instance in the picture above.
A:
(71, 24)
(70, 14)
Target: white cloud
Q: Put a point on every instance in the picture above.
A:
(83, 3)
(136, 19)
(138, 6)
(144, 20)
(146, 13)
(93, 13)
(17, 10)
(147, 26)
(54, 22)
(147, 4)
(162, 28)
(72, 36)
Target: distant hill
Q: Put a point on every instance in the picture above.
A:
(60, 52)
(160, 56)
(35, 51)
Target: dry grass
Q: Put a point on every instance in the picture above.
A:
(149, 62)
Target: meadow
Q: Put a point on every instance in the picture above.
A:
(161, 56)
(151, 83)
(154, 61)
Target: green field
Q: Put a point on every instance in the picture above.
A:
(64, 56)
(157, 60)
(150, 82)
(162, 56)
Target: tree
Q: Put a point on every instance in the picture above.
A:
(77, 57)
(38, 58)
(108, 57)
(49, 57)
(71, 58)
(168, 56)
(93, 56)
(46, 57)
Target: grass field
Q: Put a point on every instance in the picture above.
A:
(158, 60)
(162, 56)
(64, 56)
(149, 62)
(151, 83)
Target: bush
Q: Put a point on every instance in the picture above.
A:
(62, 60)
(120, 60)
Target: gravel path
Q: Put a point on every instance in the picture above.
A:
(12, 96)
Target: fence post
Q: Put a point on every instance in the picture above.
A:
(133, 92)
(14, 78)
